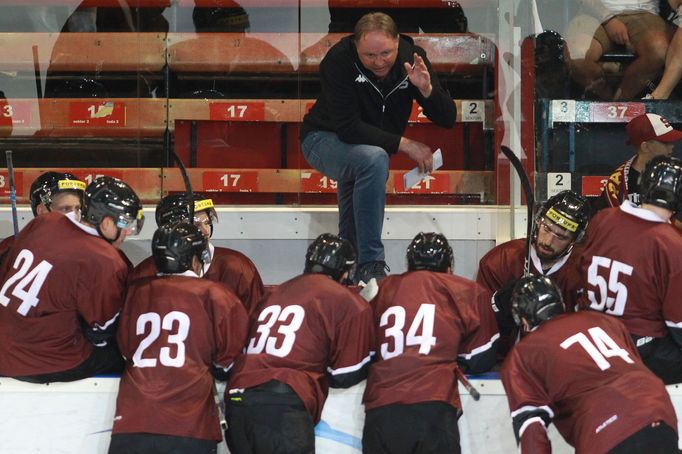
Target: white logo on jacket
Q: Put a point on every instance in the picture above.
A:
(360, 79)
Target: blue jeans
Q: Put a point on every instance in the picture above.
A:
(361, 172)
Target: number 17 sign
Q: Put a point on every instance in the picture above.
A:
(235, 181)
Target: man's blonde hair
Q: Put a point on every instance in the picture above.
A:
(372, 22)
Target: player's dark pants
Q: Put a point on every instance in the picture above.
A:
(268, 419)
(143, 443)
(428, 427)
(663, 357)
(657, 438)
(103, 360)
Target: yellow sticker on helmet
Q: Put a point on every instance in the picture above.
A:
(205, 204)
(561, 220)
(139, 214)
(71, 184)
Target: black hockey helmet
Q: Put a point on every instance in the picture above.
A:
(429, 251)
(566, 209)
(50, 183)
(549, 50)
(177, 207)
(329, 255)
(108, 196)
(661, 183)
(175, 245)
(536, 299)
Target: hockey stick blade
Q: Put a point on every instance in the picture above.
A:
(473, 392)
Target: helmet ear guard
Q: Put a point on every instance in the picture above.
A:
(330, 255)
(429, 251)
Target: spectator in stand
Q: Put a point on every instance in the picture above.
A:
(369, 81)
(582, 372)
(448, 17)
(603, 24)
(673, 58)
(174, 330)
(309, 333)
(631, 267)
(411, 400)
(227, 266)
(555, 246)
(652, 136)
(63, 284)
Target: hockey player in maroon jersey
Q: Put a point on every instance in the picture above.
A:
(308, 334)
(632, 267)
(559, 228)
(427, 323)
(62, 287)
(56, 191)
(52, 191)
(581, 371)
(174, 329)
(226, 266)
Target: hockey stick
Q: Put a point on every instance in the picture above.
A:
(36, 70)
(190, 193)
(188, 183)
(530, 200)
(221, 413)
(473, 392)
(12, 191)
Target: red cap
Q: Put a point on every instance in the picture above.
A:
(651, 126)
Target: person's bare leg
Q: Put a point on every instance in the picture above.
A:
(588, 72)
(673, 68)
(650, 52)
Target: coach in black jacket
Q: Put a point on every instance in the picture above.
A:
(369, 80)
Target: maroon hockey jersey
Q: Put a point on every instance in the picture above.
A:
(172, 330)
(57, 272)
(582, 371)
(5, 246)
(632, 268)
(504, 263)
(309, 332)
(424, 321)
(228, 267)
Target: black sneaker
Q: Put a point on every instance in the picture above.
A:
(371, 270)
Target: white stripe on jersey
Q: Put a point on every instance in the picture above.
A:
(480, 349)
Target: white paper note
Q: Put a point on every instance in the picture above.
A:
(414, 176)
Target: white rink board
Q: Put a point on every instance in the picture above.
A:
(75, 418)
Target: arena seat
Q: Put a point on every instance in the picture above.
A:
(83, 52)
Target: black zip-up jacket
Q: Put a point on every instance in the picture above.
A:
(362, 110)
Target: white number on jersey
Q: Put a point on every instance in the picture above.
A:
(181, 330)
(423, 322)
(600, 348)
(26, 277)
(600, 299)
(291, 318)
